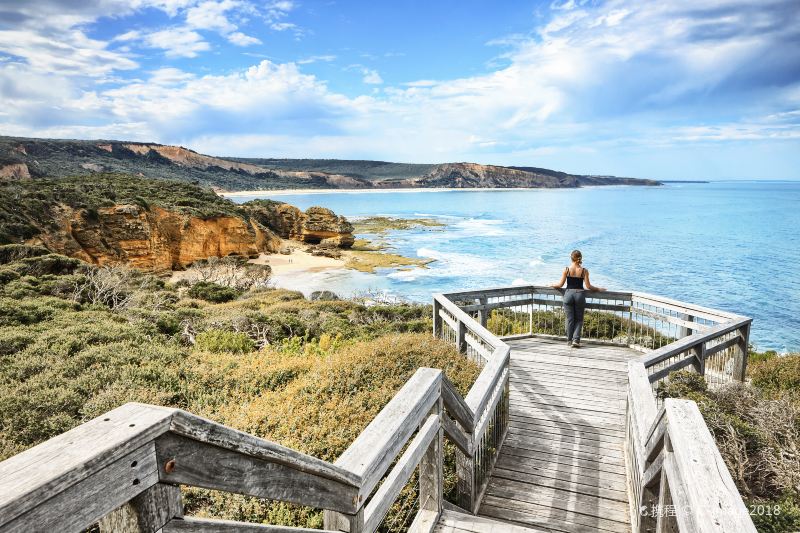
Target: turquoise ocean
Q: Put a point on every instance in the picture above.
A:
(729, 245)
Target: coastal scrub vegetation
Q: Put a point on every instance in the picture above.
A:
(757, 430)
(306, 374)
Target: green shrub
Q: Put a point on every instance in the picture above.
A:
(219, 340)
(775, 516)
(682, 384)
(781, 373)
(7, 275)
(213, 292)
(10, 253)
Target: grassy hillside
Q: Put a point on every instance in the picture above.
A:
(307, 374)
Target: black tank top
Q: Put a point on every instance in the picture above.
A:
(575, 282)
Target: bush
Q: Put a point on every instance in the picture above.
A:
(682, 384)
(10, 253)
(213, 292)
(218, 340)
(781, 373)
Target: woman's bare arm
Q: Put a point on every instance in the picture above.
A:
(589, 285)
(563, 280)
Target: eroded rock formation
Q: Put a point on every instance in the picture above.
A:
(15, 171)
(155, 239)
(316, 226)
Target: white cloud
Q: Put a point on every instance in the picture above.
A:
(372, 77)
(315, 59)
(240, 39)
(211, 15)
(177, 42)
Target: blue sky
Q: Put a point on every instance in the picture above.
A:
(704, 89)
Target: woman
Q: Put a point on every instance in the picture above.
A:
(574, 297)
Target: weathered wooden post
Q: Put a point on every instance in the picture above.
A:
(483, 314)
(344, 522)
(740, 352)
(147, 512)
(699, 362)
(461, 337)
(431, 469)
(685, 331)
(437, 318)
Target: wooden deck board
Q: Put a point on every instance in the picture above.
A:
(561, 467)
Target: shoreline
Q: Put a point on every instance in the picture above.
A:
(289, 192)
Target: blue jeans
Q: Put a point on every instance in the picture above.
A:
(574, 306)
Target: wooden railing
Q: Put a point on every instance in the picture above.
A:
(677, 478)
(123, 469)
(484, 413)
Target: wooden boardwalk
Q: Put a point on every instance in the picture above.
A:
(561, 467)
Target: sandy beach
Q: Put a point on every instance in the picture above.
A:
(297, 261)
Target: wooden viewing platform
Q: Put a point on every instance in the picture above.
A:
(549, 438)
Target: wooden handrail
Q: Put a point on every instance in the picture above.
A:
(677, 478)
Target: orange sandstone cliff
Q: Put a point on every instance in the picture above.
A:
(154, 239)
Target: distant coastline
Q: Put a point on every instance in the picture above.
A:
(684, 181)
(289, 192)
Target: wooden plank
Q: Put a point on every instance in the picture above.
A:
(454, 433)
(562, 380)
(544, 472)
(577, 421)
(485, 385)
(476, 345)
(568, 414)
(563, 500)
(565, 384)
(370, 455)
(695, 326)
(612, 404)
(640, 399)
(715, 501)
(600, 455)
(32, 477)
(538, 515)
(579, 406)
(689, 360)
(582, 362)
(683, 307)
(145, 513)
(210, 432)
(205, 465)
(589, 461)
(516, 434)
(385, 496)
(82, 504)
(456, 406)
(534, 421)
(525, 459)
(191, 524)
(546, 432)
(457, 522)
(585, 485)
